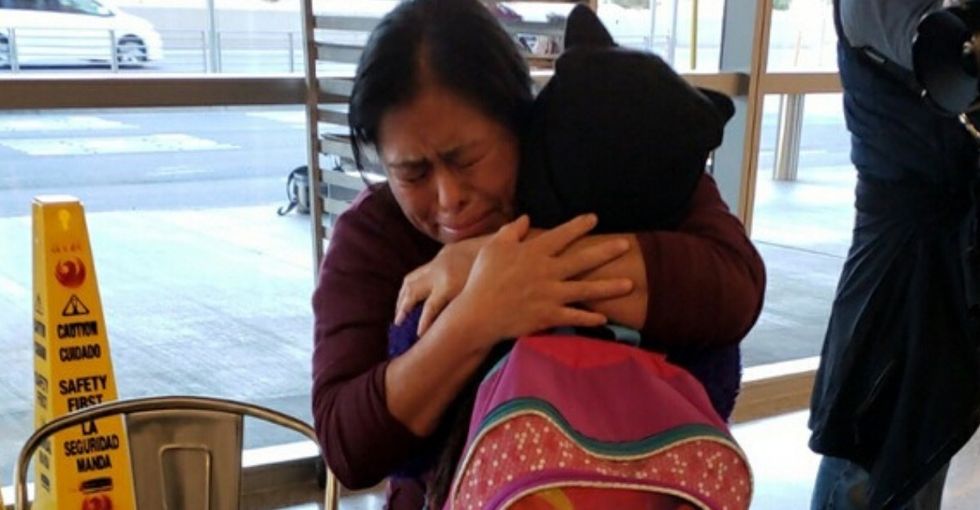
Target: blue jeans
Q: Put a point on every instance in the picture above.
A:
(843, 485)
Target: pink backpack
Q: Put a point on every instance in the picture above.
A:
(567, 422)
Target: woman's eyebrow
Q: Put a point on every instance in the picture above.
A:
(410, 161)
(454, 152)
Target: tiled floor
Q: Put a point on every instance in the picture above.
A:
(784, 468)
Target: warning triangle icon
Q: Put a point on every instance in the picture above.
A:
(74, 308)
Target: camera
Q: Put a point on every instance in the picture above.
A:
(946, 59)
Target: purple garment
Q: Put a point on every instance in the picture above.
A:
(718, 369)
(400, 339)
(403, 336)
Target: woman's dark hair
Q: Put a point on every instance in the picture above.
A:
(459, 45)
(462, 48)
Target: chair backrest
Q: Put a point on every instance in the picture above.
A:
(186, 452)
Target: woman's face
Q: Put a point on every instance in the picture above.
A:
(451, 168)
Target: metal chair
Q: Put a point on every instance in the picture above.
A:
(186, 452)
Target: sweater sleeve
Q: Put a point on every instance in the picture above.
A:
(353, 305)
(705, 279)
(888, 26)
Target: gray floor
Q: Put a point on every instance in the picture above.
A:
(802, 229)
(784, 468)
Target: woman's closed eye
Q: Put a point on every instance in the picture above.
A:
(465, 164)
(412, 172)
(464, 160)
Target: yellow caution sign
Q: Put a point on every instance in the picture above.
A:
(87, 468)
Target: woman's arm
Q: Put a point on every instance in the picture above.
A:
(700, 284)
(517, 285)
(705, 279)
(371, 414)
(352, 305)
(439, 281)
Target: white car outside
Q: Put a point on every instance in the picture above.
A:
(59, 32)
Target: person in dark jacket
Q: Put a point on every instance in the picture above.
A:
(897, 392)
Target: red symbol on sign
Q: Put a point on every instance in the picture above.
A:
(70, 273)
(97, 502)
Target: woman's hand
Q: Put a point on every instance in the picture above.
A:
(438, 282)
(525, 285)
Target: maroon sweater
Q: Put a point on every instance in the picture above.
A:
(705, 282)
